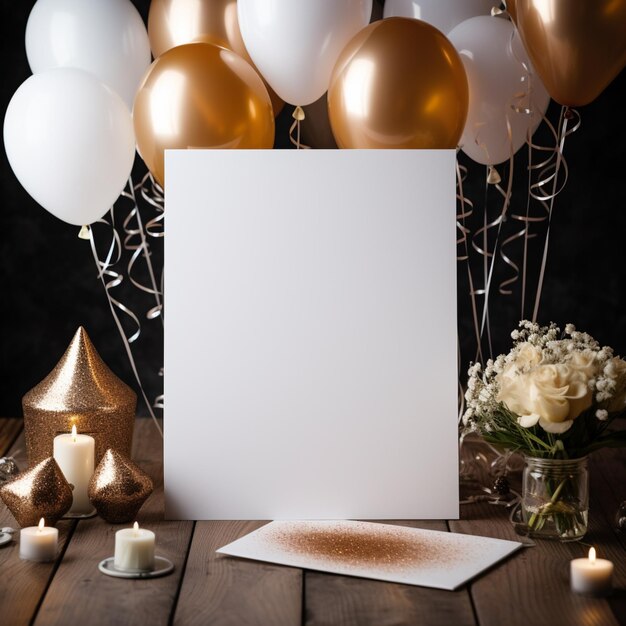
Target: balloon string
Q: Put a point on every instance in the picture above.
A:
(493, 179)
(462, 215)
(298, 117)
(140, 249)
(153, 194)
(104, 269)
(539, 192)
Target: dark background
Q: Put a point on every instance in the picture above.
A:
(49, 286)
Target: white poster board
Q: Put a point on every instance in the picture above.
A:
(310, 343)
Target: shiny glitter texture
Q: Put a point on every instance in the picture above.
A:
(80, 390)
(118, 488)
(39, 492)
(367, 545)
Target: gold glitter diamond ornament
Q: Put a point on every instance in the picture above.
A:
(39, 492)
(81, 390)
(118, 488)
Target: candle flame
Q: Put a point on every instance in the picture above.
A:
(74, 432)
(592, 555)
(41, 524)
(136, 527)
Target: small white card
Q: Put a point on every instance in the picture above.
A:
(379, 551)
(310, 343)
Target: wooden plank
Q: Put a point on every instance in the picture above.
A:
(23, 583)
(331, 599)
(10, 428)
(79, 593)
(227, 591)
(533, 586)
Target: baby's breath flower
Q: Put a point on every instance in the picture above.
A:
(602, 414)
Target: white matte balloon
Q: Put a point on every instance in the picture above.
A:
(69, 139)
(104, 37)
(295, 43)
(442, 14)
(495, 63)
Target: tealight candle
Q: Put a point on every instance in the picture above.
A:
(39, 543)
(134, 549)
(591, 575)
(75, 455)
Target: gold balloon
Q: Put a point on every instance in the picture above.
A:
(398, 84)
(510, 7)
(173, 23)
(577, 46)
(200, 96)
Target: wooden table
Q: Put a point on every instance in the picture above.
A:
(530, 588)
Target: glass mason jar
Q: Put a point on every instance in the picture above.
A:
(555, 498)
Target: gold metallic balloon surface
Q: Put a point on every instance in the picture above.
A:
(577, 46)
(80, 390)
(173, 23)
(118, 488)
(399, 83)
(510, 7)
(39, 492)
(200, 96)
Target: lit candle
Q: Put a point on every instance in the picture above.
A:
(593, 576)
(134, 549)
(39, 543)
(75, 455)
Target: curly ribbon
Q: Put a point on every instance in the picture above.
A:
(483, 247)
(153, 194)
(298, 116)
(114, 280)
(546, 176)
(140, 249)
(466, 209)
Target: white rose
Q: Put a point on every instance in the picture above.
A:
(584, 363)
(551, 395)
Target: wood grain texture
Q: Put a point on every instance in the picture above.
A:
(331, 599)
(533, 587)
(79, 593)
(227, 591)
(23, 582)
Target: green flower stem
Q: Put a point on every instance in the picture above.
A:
(553, 500)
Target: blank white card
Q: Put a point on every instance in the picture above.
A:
(310, 342)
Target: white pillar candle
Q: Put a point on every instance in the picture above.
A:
(134, 549)
(39, 543)
(591, 575)
(75, 455)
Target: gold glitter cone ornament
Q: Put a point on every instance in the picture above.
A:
(80, 390)
(118, 488)
(39, 492)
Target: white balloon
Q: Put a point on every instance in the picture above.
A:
(69, 139)
(502, 84)
(104, 37)
(442, 14)
(295, 43)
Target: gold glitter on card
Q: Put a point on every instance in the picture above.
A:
(81, 390)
